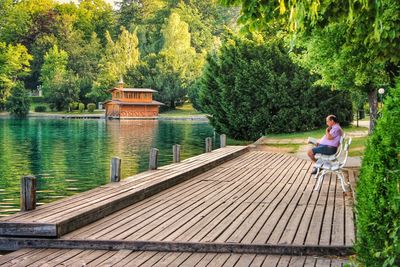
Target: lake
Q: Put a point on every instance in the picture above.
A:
(72, 156)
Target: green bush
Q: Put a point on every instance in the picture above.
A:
(38, 99)
(91, 107)
(40, 109)
(81, 107)
(73, 105)
(252, 87)
(378, 191)
(19, 102)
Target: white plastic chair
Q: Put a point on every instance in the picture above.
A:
(321, 158)
(336, 167)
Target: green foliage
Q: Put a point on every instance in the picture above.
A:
(19, 102)
(40, 109)
(81, 107)
(38, 99)
(118, 58)
(14, 64)
(378, 191)
(91, 107)
(73, 105)
(251, 87)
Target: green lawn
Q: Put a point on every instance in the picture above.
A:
(315, 133)
(182, 111)
(357, 146)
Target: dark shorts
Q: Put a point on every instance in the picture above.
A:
(323, 149)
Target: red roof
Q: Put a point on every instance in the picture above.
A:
(152, 103)
(137, 90)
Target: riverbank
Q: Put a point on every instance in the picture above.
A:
(162, 117)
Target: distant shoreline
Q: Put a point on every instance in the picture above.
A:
(101, 116)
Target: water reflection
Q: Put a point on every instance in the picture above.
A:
(70, 156)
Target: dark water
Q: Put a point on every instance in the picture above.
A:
(71, 156)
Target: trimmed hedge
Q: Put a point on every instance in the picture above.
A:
(91, 107)
(81, 107)
(378, 191)
(252, 87)
(37, 99)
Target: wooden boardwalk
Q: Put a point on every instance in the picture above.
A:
(122, 258)
(66, 215)
(259, 206)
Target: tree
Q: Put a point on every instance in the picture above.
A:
(369, 34)
(14, 64)
(19, 102)
(119, 56)
(378, 195)
(60, 86)
(251, 87)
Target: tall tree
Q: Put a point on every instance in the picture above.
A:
(119, 56)
(14, 65)
(370, 34)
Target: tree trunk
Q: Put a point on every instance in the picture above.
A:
(172, 105)
(373, 109)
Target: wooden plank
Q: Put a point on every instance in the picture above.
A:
(18, 254)
(61, 203)
(129, 221)
(297, 261)
(284, 261)
(326, 231)
(349, 217)
(180, 259)
(231, 261)
(136, 256)
(117, 257)
(147, 259)
(84, 259)
(275, 175)
(115, 170)
(219, 260)
(64, 257)
(274, 226)
(36, 257)
(289, 221)
(182, 247)
(310, 262)
(258, 260)
(28, 193)
(271, 261)
(99, 260)
(230, 189)
(323, 262)
(258, 224)
(245, 260)
(206, 260)
(193, 259)
(338, 219)
(144, 208)
(314, 230)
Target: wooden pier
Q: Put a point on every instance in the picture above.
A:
(228, 207)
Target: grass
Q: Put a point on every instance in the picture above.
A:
(357, 146)
(181, 111)
(287, 148)
(315, 133)
(233, 142)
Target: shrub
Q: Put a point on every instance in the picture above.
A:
(40, 109)
(74, 105)
(252, 87)
(19, 102)
(91, 107)
(81, 107)
(38, 99)
(378, 191)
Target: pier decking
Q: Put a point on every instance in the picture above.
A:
(249, 209)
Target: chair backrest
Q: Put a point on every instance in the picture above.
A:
(341, 145)
(346, 151)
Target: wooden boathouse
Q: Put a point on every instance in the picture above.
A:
(132, 103)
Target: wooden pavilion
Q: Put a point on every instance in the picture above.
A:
(132, 103)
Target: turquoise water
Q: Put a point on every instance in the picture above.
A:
(71, 156)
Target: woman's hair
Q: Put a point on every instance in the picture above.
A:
(333, 118)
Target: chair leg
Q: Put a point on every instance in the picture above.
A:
(318, 171)
(320, 179)
(342, 181)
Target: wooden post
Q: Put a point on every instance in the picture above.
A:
(222, 139)
(208, 144)
(28, 193)
(153, 159)
(115, 170)
(176, 152)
